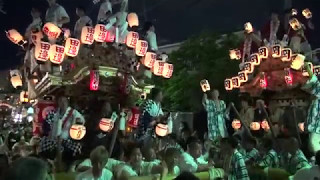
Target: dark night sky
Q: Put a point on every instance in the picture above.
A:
(175, 20)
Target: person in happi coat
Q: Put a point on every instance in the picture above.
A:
(216, 115)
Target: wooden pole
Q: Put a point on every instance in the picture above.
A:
(296, 123)
(261, 106)
(115, 132)
(240, 118)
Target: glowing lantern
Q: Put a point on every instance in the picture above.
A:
(294, 12)
(286, 54)
(248, 67)
(15, 37)
(77, 131)
(248, 27)
(132, 39)
(235, 82)
(141, 48)
(24, 97)
(133, 19)
(307, 13)
(205, 86)
(255, 59)
(106, 125)
(243, 77)
(134, 117)
(51, 30)
(56, 54)
(316, 70)
(87, 35)
(149, 59)
(235, 54)
(72, 47)
(288, 77)
(94, 80)
(162, 130)
(263, 52)
(42, 51)
(265, 125)
(100, 33)
(298, 61)
(157, 68)
(16, 81)
(255, 126)
(110, 37)
(167, 70)
(228, 84)
(276, 51)
(304, 70)
(263, 81)
(36, 37)
(301, 126)
(236, 124)
(295, 24)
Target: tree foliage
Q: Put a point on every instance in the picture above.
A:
(201, 57)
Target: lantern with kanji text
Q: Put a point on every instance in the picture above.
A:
(248, 67)
(94, 80)
(205, 86)
(286, 54)
(111, 35)
(263, 81)
(255, 126)
(149, 59)
(162, 130)
(141, 48)
(100, 33)
(15, 37)
(307, 13)
(236, 124)
(41, 52)
(255, 59)
(72, 47)
(288, 77)
(295, 24)
(235, 82)
(56, 54)
(132, 39)
(276, 51)
(77, 131)
(228, 84)
(133, 19)
(87, 35)
(51, 30)
(263, 52)
(157, 68)
(133, 120)
(106, 125)
(167, 70)
(243, 77)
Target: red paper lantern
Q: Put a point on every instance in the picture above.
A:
(56, 54)
(87, 35)
(132, 39)
(42, 51)
(157, 68)
(263, 81)
(51, 30)
(42, 108)
(141, 48)
(94, 80)
(110, 37)
(100, 33)
(133, 19)
(167, 70)
(149, 59)
(134, 118)
(72, 47)
(288, 77)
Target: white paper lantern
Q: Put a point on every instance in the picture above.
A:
(111, 35)
(132, 39)
(51, 30)
(276, 51)
(255, 59)
(162, 129)
(133, 19)
(87, 35)
(205, 86)
(56, 54)
(14, 36)
(286, 54)
(149, 59)
(16, 81)
(228, 84)
(157, 68)
(255, 126)
(100, 33)
(263, 52)
(243, 77)
(248, 67)
(77, 131)
(141, 48)
(106, 125)
(72, 47)
(167, 70)
(42, 51)
(235, 82)
(298, 61)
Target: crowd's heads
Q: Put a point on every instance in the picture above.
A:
(214, 94)
(171, 157)
(28, 168)
(99, 157)
(149, 154)
(291, 145)
(250, 143)
(227, 144)
(133, 153)
(194, 147)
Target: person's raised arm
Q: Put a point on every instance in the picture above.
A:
(204, 99)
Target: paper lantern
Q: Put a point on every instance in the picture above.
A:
(56, 54)
(286, 54)
(16, 81)
(304, 70)
(106, 125)
(236, 124)
(41, 52)
(36, 37)
(72, 47)
(100, 33)
(301, 126)
(228, 84)
(24, 97)
(255, 126)
(162, 130)
(255, 59)
(134, 117)
(15, 37)
(167, 70)
(133, 19)
(111, 35)
(294, 12)
(288, 77)
(263, 52)
(157, 68)
(248, 27)
(307, 13)
(316, 70)
(265, 125)
(149, 59)
(248, 67)
(51, 30)
(263, 81)
(87, 35)
(235, 54)
(295, 24)
(141, 48)
(243, 77)
(77, 131)
(276, 51)
(205, 86)
(94, 80)
(235, 82)
(298, 61)
(132, 39)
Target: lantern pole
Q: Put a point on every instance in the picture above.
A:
(295, 122)
(240, 118)
(115, 132)
(261, 106)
